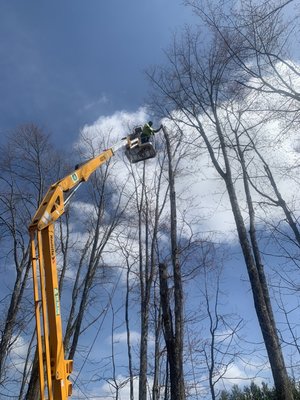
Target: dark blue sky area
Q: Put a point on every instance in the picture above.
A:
(65, 63)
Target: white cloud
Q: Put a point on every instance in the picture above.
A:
(121, 337)
(204, 184)
(135, 336)
(244, 374)
(112, 128)
(103, 99)
(19, 352)
(278, 149)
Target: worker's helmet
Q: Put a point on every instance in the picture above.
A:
(150, 123)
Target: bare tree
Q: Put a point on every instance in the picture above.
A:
(196, 87)
(173, 330)
(220, 349)
(149, 209)
(27, 163)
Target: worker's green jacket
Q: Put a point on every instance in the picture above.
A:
(147, 130)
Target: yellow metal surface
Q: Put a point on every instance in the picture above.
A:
(37, 304)
(58, 363)
(52, 364)
(52, 206)
(45, 319)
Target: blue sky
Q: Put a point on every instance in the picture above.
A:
(66, 63)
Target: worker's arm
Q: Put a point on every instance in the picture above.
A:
(53, 204)
(157, 130)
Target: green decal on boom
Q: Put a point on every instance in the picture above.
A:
(74, 177)
(56, 300)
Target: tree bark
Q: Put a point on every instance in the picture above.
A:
(169, 331)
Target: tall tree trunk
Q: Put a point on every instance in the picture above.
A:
(149, 212)
(129, 353)
(157, 353)
(262, 303)
(169, 332)
(260, 291)
(178, 376)
(143, 269)
(33, 391)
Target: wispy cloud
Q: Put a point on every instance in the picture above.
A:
(103, 99)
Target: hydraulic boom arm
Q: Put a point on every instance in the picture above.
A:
(54, 370)
(53, 204)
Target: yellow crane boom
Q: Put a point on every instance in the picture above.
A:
(54, 370)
